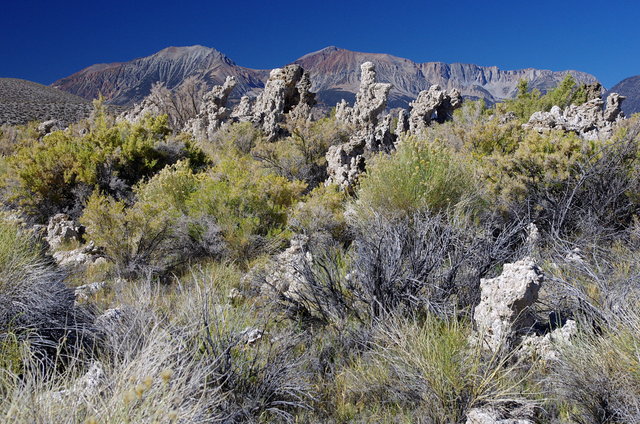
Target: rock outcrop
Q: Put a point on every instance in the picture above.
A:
(504, 308)
(371, 100)
(489, 415)
(49, 126)
(83, 256)
(434, 104)
(590, 120)
(282, 274)
(61, 230)
(545, 346)
(148, 106)
(345, 162)
(213, 111)
(286, 92)
(242, 112)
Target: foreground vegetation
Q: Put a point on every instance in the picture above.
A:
(372, 323)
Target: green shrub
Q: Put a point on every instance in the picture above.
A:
(179, 215)
(301, 156)
(321, 211)
(425, 369)
(420, 175)
(241, 136)
(539, 161)
(528, 101)
(245, 201)
(57, 172)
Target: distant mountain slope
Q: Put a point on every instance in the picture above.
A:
(334, 73)
(22, 101)
(630, 88)
(129, 82)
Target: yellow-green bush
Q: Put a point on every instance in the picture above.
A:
(19, 254)
(420, 175)
(245, 200)
(528, 101)
(179, 214)
(424, 368)
(49, 172)
(322, 210)
(539, 162)
(301, 156)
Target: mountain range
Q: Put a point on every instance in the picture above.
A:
(335, 74)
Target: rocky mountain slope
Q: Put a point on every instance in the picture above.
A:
(630, 88)
(334, 75)
(335, 72)
(129, 82)
(22, 101)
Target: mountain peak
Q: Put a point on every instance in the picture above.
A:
(326, 50)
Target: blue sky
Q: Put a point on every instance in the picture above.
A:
(45, 40)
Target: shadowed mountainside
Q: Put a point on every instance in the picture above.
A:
(630, 88)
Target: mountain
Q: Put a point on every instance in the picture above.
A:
(125, 83)
(22, 101)
(334, 74)
(630, 88)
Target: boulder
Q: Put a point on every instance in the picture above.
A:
(49, 126)
(85, 291)
(489, 415)
(504, 308)
(545, 346)
(83, 256)
(282, 274)
(62, 230)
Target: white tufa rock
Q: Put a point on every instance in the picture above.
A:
(505, 301)
(488, 415)
(545, 347)
(589, 120)
(213, 111)
(62, 230)
(287, 91)
(345, 162)
(83, 256)
(283, 273)
(434, 104)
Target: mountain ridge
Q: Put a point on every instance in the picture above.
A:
(334, 75)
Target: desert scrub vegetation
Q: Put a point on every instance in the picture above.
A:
(58, 172)
(420, 175)
(38, 313)
(236, 286)
(529, 101)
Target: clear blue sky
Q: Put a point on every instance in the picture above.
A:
(46, 40)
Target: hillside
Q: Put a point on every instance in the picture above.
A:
(22, 101)
(129, 82)
(334, 75)
(630, 88)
